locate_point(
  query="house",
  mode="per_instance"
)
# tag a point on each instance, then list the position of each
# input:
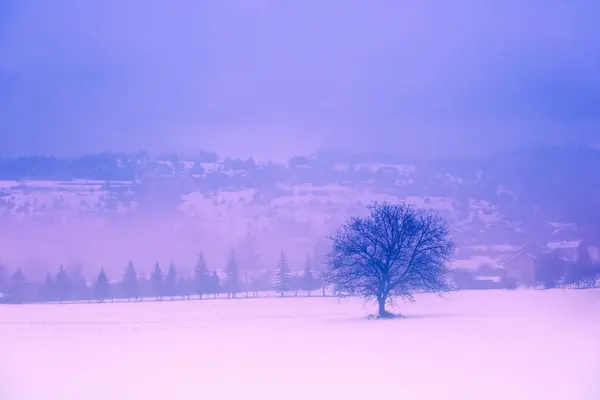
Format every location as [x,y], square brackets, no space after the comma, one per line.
[520,267]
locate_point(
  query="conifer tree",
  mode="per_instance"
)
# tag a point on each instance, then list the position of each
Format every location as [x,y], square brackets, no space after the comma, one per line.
[16,291]
[79,286]
[3,278]
[308,280]
[144,286]
[63,285]
[215,284]
[232,282]
[101,286]
[321,278]
[171,281]
[183,287]
[129,284]
[201,276]
[281,280]
[47,291]
[157,281]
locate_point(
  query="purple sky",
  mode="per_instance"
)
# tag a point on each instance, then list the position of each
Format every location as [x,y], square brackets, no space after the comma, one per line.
[281,77]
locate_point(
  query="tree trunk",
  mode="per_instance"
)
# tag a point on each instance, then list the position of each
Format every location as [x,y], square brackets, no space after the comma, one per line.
[382,311]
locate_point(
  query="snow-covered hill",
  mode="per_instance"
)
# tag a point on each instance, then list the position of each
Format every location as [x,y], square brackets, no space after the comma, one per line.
[107,209]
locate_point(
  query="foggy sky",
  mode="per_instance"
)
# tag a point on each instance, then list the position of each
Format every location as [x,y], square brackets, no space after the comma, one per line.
[280,77]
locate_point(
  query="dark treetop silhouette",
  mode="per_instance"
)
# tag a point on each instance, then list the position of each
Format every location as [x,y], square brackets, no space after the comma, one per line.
[232,280]
[281,280]
[393,252]
[129,282]
[202,278]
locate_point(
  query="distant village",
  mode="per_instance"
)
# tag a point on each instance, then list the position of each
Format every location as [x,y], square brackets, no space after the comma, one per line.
[550,265]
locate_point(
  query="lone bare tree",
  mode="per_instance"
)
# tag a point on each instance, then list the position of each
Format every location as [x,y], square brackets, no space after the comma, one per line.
[394,251]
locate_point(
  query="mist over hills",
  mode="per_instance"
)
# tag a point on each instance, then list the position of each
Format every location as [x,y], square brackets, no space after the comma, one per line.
[106,209]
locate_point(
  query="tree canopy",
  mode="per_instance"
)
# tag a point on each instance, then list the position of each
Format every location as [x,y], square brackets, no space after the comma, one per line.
[391,253]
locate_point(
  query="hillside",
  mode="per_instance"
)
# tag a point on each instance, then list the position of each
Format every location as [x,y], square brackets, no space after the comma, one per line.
[106,209]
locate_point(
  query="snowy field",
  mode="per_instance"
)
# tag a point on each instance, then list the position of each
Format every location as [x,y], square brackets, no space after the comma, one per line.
[540,345]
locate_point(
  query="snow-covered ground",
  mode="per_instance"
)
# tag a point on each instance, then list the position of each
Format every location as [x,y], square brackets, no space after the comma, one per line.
[469,345]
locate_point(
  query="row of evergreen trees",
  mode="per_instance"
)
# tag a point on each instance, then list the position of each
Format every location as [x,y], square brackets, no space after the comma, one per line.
[203,282]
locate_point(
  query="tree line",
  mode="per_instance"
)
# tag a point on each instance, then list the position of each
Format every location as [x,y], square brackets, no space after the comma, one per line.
[392,253]
[171,283]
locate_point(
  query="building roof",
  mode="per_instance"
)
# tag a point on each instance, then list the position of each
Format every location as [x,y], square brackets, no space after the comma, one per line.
[527,250]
